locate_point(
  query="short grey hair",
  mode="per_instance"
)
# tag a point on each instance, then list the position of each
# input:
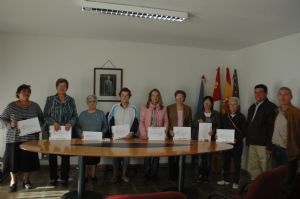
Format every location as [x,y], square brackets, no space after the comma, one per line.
[234,100]
[91,96]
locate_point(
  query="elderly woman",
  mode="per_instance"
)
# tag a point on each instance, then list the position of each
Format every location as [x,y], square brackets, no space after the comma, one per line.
[180,115]
[234,119]
[92,120]
[123,113]
[60,110]
[15,159]
[207,114]
[153,114]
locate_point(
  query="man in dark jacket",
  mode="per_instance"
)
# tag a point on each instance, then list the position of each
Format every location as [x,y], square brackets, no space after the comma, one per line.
[261,117]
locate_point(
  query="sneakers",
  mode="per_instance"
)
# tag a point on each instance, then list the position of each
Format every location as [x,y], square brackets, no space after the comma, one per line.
[235,186]
[223,182]
[27,185]
[125,179]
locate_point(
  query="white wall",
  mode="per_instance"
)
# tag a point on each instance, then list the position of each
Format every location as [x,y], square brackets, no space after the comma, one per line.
[39,61]
[275,63]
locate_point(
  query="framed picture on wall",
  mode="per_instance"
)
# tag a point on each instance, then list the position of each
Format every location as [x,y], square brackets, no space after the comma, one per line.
[107,84]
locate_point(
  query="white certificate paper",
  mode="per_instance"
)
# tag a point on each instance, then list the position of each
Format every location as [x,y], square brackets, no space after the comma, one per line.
[225,135]
[61,134]
[29,126]
[120,131]
[92,136]
[204,128]
[182,133]
[156,133]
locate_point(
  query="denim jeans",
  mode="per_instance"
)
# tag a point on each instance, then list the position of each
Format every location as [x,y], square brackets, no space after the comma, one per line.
[279,157]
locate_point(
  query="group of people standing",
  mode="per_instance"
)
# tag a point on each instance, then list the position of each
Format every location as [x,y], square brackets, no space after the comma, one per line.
[269,131]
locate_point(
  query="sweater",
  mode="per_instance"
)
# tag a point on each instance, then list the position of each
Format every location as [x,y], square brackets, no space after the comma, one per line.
[145,119]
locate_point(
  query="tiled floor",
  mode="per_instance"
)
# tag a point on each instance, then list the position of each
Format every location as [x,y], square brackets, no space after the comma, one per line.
[104,186]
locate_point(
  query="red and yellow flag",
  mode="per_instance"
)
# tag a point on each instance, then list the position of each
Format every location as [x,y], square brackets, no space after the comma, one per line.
[217,87]
[228,88]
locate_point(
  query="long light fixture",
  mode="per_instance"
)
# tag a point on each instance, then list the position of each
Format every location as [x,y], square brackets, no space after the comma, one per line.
[133,11]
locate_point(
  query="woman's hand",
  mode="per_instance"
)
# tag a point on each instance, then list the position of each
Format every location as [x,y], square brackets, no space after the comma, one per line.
[13,123]
[128,136]
[210,133]
[68,126]
[56,126]
[172,133]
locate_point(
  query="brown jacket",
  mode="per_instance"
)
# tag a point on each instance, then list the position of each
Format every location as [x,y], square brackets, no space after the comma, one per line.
[172,114]
[293,132]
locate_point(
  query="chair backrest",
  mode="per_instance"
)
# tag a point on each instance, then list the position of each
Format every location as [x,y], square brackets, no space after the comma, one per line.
[158,195]
[268,185]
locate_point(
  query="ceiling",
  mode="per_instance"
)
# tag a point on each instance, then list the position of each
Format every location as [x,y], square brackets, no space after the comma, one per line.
[214,24]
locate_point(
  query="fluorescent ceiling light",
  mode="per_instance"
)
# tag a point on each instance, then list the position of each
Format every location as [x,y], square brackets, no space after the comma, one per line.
[133,11]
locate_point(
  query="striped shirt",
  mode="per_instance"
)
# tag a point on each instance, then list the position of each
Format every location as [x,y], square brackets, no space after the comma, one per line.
[20,113]
[60,112]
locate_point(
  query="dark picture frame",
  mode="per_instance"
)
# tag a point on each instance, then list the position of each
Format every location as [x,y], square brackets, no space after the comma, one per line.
[108,83]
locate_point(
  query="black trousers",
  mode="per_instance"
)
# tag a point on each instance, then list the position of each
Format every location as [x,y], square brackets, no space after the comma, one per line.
[204,165]
[290,181]
[151,166]
[173,167]
[279,157]
[64,168]
[227,157]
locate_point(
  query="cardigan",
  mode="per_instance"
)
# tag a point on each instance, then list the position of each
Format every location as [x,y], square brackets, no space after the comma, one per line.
[173,117]
[145,119]
[12,134]
[292,115]
[239,124]
[215,120]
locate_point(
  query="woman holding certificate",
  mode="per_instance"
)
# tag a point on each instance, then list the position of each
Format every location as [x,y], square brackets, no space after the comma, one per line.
[206,115]
[92,120]
[180,115]
[60,110]
[153,114]
[123,114]
[15,159]
[234,119]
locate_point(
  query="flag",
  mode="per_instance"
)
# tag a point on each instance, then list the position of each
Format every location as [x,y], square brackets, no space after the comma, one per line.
[228,88]
[201,94]
[227,93]
[236,92]
[217,87]
[217,91]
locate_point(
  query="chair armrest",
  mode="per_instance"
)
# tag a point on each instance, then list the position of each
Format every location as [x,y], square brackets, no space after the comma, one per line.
[219,195]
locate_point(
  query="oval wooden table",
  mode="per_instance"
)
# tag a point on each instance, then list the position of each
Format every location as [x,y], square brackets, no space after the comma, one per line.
[134,148]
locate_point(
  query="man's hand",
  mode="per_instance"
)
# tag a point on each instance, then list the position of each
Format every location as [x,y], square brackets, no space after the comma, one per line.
[269,152]
[210,133]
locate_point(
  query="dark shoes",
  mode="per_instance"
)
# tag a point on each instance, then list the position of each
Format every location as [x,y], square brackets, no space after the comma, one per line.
[203,179]
[53,182]
[13,187]
[64,183]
